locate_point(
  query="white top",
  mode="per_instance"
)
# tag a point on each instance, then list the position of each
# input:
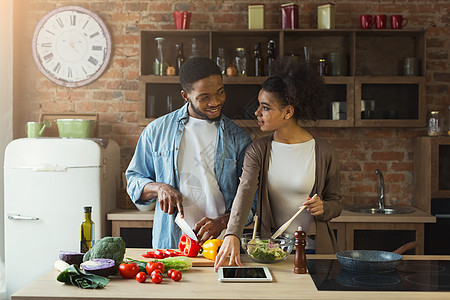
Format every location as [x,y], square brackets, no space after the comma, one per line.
[198,184]
[291,177]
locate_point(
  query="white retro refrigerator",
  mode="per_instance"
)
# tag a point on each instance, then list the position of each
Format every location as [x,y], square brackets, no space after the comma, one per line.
[47,182]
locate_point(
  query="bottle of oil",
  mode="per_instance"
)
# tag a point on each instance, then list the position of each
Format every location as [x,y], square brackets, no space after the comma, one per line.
[258,61]
[180,57]
[87,231]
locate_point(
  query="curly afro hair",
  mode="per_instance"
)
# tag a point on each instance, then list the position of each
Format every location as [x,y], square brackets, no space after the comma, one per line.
[195,69]
[298,85]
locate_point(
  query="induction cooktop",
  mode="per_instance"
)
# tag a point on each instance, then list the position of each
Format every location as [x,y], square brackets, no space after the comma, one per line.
[410,275]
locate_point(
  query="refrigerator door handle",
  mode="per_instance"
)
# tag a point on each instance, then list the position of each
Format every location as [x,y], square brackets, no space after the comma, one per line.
[19,217]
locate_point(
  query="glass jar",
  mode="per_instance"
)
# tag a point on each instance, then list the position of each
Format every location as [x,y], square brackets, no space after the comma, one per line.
[241,61]
[434,123]
[322,67]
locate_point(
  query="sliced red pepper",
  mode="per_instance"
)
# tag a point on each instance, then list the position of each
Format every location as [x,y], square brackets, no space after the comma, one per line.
[188,246]
[159,254]
[177,253]
[149,254]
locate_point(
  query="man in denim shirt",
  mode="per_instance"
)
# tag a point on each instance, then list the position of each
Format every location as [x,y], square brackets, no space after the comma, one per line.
[190,160]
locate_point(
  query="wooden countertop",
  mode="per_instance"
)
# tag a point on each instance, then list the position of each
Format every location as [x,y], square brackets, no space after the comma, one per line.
[201,283]
[418,216]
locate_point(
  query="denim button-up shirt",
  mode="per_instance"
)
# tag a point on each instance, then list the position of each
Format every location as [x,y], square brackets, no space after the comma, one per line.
[155,160]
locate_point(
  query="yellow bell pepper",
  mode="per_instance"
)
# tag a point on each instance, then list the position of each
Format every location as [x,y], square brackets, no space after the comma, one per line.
[211,248]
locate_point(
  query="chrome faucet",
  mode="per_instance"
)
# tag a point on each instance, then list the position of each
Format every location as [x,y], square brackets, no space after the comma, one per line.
[381,200]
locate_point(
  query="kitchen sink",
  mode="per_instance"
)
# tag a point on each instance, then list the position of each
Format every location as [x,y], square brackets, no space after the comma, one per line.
[385,211]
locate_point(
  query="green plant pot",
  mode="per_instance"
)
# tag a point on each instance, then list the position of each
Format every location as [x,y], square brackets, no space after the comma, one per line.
[77,128]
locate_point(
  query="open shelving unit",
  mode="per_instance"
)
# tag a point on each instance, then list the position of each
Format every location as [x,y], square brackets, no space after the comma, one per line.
[374,59]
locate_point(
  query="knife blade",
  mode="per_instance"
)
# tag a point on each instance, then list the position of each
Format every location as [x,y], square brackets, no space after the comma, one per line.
[185,227]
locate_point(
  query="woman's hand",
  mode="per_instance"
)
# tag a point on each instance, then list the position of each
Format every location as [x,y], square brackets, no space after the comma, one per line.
[314,205]
[231,245]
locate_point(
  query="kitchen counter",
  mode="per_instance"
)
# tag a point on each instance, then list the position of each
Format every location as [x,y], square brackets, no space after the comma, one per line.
[201,283]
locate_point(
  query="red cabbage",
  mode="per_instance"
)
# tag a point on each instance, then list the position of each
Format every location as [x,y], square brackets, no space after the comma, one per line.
[72,258]
[99,266]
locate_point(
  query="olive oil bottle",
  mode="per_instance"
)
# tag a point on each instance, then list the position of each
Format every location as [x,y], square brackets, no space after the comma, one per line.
[87,231]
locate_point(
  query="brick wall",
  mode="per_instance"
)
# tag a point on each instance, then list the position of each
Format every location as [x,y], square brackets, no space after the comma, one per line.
[114,96]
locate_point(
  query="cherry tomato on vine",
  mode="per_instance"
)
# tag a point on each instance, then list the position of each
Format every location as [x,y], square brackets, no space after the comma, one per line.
[141,277]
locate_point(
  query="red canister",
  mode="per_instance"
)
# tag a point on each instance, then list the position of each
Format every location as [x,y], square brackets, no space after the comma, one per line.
[289,16]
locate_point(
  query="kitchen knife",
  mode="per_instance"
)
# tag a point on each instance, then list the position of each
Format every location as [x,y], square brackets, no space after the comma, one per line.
[185,227]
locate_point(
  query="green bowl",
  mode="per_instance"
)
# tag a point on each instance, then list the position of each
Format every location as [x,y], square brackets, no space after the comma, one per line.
[76,128]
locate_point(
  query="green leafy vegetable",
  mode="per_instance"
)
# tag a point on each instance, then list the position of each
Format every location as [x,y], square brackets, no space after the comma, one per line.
[77,277]
[108,247]
[267,251]
[179,263]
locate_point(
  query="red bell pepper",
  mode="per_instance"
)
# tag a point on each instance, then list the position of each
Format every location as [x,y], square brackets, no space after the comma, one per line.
[188,246]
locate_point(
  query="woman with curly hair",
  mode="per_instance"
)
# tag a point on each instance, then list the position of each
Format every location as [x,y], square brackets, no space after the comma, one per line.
[288,168]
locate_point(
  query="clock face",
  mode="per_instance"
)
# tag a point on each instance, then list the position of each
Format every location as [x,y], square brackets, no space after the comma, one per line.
[71,46]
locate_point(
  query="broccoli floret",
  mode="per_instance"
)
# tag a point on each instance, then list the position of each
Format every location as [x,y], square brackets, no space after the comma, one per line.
[107,247]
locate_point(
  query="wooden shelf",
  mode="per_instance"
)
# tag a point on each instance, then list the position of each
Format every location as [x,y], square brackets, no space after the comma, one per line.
[374,60]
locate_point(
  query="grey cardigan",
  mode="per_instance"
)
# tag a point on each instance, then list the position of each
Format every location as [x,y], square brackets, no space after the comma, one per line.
[254,178]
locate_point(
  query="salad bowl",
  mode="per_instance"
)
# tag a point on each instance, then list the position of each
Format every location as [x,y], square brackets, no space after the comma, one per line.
[267,250]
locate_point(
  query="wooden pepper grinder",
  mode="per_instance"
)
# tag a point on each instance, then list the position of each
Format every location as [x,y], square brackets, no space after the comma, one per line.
[300,255]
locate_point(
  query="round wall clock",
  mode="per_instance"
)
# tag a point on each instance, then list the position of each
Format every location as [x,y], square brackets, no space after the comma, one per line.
[71,46]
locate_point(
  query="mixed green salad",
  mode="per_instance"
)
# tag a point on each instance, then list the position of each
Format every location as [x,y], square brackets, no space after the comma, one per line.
[266,251]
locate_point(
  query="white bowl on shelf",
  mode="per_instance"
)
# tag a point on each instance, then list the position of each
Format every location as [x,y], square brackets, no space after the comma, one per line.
[146,207]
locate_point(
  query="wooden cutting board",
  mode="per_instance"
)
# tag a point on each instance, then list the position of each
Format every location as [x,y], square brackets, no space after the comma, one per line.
[136,253]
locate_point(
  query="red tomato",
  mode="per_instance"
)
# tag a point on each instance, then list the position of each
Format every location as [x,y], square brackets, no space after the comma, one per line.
[157,278]
[169,272]
[151,266]
[156,271]
[176,275]
[141,277]
[128,270]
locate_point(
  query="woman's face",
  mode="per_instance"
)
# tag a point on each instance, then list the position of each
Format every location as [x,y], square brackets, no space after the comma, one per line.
[270,114]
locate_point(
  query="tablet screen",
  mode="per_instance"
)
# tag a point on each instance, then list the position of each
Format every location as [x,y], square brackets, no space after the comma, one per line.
[244,274]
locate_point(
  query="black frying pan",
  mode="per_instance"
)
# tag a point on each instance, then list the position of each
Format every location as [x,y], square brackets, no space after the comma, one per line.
[372,261]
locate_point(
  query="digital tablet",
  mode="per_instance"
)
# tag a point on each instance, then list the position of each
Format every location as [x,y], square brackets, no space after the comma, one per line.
[244,274]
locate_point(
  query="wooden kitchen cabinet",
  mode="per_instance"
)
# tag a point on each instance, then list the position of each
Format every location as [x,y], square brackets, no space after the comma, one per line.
[375,72]
[431,170]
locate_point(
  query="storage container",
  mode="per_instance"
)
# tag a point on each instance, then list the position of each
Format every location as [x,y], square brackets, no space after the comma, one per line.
[289,16]
[256,16]
[325,16]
